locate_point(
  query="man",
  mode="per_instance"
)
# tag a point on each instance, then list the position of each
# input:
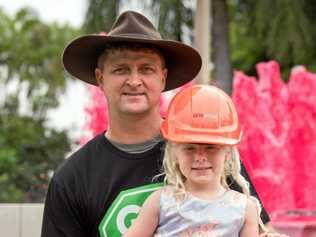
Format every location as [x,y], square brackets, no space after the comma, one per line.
[99,190]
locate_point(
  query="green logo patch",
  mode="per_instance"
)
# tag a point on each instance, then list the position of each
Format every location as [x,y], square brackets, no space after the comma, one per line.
[124,210]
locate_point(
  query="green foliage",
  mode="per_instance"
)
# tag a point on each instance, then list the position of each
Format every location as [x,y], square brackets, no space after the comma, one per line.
[245,50]
[31,81]
[29,154]
[174,18]
[260,30]
[282,30]
[30,54]
[100,15]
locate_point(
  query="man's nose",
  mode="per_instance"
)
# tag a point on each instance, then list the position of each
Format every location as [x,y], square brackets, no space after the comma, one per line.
[134,79]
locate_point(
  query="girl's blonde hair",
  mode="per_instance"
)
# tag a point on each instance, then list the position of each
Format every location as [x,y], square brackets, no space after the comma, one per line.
[232,167]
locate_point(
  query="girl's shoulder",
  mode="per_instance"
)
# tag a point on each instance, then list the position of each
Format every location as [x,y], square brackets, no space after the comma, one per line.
[167,189]
[153,199]
[156,194]
[164,193]
[168,194]
[235,199]
[236,195]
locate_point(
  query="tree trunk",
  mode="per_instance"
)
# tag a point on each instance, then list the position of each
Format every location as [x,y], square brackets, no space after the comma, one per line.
[220,45]
[202,39]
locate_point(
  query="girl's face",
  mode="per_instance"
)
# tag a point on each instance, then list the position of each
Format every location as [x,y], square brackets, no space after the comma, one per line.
[201,164]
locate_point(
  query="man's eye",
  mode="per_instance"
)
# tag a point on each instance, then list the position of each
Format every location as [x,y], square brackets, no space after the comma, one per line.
[119,70]
[147,69]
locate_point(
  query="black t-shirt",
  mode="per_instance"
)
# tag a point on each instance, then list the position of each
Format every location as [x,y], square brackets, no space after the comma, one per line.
[99,190]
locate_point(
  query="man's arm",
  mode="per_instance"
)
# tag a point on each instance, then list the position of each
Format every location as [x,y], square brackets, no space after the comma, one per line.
[61,216]
[271,232]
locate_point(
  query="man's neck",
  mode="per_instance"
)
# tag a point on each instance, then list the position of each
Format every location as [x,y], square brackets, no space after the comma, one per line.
[133,129]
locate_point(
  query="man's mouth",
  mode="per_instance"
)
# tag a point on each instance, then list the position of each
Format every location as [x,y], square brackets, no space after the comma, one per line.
[133,94]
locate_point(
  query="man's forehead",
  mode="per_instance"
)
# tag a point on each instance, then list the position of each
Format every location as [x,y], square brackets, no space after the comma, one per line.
[131,55]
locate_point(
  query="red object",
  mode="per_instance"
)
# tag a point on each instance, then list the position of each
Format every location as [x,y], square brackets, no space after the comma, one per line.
[279,143]
[96,114]
[202,114]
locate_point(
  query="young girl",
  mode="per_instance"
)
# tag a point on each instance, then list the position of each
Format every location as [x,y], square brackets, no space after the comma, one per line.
[202,131]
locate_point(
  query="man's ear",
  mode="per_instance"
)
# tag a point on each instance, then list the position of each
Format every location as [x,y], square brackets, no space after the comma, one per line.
[99,76]
[164,78]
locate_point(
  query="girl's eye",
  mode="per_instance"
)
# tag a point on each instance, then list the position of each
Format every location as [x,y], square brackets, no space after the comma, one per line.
[212,148]
[189,148]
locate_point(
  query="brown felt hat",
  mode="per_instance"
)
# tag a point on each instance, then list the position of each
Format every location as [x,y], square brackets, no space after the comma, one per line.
[81,55]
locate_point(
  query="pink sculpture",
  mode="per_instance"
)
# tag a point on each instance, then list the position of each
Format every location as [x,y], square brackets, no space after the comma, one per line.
[96,111]
[279,142]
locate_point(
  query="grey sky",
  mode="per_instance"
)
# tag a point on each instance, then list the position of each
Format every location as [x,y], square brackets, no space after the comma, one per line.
[71,11]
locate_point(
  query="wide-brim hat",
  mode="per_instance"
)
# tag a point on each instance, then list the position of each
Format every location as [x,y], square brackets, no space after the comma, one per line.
[182,61]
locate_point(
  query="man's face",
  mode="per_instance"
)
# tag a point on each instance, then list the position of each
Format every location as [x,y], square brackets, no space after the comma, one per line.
[132,81]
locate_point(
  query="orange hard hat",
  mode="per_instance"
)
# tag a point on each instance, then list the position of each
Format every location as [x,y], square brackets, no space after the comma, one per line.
[202,114]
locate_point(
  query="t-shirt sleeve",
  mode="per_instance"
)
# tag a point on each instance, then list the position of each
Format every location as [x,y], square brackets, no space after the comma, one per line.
[62,216]
[233,185]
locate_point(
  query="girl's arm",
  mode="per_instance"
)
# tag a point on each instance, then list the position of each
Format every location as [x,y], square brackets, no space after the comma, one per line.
[251,225]
[148,218]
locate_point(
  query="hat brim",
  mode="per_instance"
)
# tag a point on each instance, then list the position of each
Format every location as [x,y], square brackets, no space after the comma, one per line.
[80,58]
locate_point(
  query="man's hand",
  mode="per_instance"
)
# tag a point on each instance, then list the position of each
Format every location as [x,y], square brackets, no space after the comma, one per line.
[272,234]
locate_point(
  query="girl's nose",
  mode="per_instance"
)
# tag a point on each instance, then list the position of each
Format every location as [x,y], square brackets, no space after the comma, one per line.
[201,155]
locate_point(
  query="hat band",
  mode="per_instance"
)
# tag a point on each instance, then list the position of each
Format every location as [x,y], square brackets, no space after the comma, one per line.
[137,36]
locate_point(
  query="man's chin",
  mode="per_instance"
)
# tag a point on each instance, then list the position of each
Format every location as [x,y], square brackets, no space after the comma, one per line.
[135,110]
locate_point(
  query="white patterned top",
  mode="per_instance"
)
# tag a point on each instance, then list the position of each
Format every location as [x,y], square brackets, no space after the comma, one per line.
[194,217]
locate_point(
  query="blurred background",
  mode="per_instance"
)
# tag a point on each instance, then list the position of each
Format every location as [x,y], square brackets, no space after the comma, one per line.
[263,52]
